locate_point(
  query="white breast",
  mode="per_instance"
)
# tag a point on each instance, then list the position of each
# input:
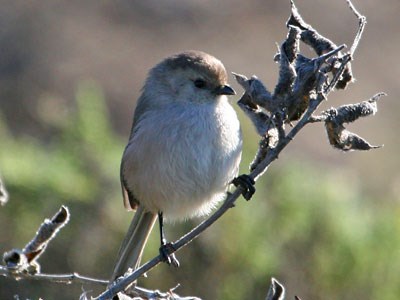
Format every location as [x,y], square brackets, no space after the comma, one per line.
[182,164]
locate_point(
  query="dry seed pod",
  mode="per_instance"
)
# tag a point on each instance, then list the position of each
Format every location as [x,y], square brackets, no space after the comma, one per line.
[320,44]
[255,93]
[341,138]
[287,63]
[255,114]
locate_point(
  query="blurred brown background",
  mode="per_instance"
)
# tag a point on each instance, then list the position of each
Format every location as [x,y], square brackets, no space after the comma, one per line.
[56,54]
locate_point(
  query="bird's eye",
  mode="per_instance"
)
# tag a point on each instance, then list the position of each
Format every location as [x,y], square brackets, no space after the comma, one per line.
[199,83]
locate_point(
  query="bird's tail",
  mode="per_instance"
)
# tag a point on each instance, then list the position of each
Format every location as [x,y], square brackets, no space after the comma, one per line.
[131,250]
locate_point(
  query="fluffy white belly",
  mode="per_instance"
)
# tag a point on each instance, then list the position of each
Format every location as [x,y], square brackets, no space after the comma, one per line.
[182,165]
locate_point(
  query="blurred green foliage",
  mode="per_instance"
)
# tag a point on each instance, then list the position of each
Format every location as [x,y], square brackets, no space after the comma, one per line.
[313,229]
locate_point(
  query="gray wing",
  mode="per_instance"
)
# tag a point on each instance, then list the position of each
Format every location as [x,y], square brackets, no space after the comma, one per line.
[130,202]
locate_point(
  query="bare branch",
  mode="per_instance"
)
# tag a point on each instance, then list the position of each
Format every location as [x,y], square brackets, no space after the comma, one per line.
[141,293]
[362,21]
[58,278]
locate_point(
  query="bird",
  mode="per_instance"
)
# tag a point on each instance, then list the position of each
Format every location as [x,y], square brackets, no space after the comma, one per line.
[183,152]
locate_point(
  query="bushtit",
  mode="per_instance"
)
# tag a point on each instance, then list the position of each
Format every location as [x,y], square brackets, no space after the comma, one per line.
[183,151]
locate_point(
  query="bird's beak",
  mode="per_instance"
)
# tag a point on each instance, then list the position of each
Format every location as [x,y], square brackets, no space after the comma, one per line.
[225,90]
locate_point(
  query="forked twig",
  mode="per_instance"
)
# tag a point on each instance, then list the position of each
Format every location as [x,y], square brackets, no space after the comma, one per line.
[362,21]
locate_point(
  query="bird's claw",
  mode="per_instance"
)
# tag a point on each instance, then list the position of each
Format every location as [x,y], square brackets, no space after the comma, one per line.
[247,184]
[167,255]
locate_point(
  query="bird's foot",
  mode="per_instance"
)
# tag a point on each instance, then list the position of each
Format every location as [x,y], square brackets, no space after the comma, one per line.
[247,184]
[166,250]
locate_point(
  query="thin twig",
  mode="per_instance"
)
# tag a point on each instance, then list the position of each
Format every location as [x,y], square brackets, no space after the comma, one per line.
[362,21]
[59,278]
[274,153]
[150,294]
